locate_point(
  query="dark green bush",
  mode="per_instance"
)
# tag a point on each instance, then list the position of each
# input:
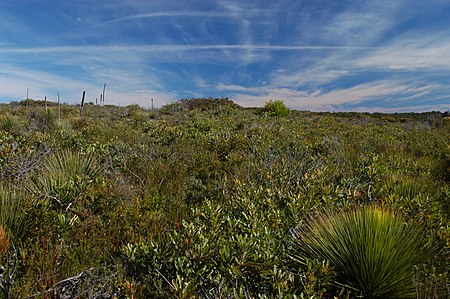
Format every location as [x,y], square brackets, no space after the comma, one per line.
[205,104]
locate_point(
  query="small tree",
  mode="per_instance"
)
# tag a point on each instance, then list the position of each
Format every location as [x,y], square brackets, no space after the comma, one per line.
[276,108]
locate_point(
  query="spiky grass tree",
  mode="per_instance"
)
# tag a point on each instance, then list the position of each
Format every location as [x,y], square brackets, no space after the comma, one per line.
[10,123]
[13,214]
[66,176]
[373,250]
[13,228]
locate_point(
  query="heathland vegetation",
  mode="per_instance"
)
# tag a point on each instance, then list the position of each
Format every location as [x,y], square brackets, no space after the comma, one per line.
[205,199]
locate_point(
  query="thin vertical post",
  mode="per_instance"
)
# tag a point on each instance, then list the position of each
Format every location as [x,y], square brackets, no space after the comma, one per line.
[104,87]
[59,109]
[82,102]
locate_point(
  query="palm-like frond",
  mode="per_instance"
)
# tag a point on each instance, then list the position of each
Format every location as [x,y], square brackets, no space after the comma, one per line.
[371,249]
[67,175]
[13,216]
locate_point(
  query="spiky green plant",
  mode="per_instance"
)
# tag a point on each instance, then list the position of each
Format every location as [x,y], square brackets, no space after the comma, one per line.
[10,123]
[372,250]
[13,216]
[66,176]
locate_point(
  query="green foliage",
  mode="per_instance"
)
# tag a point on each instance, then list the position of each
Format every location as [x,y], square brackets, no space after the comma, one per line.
[42,120]
[222,251]
[276,108]
[66,178]
[14,218]
[371,249]
[200,104]
[205,104]
[17,157]
[11,124]
[198,199]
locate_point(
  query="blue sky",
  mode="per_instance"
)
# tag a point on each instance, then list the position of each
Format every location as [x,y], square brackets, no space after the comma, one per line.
[319,55]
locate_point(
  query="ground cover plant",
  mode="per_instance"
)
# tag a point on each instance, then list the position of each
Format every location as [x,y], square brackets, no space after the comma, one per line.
[206,199]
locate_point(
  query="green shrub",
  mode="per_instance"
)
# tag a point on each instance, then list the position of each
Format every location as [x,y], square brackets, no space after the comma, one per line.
[226,250]
[205,193]
[13,214]
[206,104]
[40,119]
[371,249]
[11,124]
[67,176]
[276,108]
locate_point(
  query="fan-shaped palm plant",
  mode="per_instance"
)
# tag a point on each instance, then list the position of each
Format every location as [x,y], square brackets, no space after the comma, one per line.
[13,214]
[66,176]
[372,250]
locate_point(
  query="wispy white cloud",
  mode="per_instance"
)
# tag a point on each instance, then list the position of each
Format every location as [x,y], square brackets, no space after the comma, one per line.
[14,83]
[313,55]
[239,89]
[174,48]
[362,23]
[40,84]
[320,100]
[410,54]
[401,109]
[160,14]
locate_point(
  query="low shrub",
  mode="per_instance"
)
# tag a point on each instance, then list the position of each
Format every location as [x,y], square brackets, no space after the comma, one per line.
[13,213]
[66,177]
[371,249]
[276,108]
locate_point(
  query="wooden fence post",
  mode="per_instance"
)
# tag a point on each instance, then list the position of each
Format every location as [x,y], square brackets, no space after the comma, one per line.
[82,103]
